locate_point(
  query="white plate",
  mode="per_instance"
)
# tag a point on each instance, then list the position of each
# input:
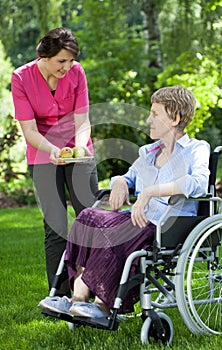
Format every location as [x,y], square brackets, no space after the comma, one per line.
[78,160]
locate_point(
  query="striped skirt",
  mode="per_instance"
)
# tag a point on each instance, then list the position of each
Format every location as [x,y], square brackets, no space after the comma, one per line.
[100,241]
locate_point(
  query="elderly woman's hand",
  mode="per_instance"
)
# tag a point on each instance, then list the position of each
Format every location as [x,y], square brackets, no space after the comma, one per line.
[119,194]
[138,216]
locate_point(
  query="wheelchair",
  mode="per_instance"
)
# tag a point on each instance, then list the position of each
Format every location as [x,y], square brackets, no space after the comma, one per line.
[183,270]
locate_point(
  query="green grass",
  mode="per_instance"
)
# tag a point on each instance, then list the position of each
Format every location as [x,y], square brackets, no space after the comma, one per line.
[23,285]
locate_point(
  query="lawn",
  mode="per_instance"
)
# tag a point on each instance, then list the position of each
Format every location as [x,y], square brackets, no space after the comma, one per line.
[23,285]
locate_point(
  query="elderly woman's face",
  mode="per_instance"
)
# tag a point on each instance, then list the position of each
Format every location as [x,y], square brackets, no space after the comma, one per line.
[161,126]
[58,65]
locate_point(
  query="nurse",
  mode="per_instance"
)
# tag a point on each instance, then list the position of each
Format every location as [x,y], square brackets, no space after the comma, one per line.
[51,104]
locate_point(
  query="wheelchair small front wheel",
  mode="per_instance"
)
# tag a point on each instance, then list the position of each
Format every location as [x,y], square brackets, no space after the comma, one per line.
[71,326]
[150,334]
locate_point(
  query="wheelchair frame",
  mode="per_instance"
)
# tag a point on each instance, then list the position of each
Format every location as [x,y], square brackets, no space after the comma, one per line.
[183,271]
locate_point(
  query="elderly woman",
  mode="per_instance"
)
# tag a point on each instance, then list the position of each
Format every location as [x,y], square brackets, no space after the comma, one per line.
[101,240]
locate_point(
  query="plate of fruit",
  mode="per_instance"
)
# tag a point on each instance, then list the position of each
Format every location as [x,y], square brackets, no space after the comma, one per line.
[75,155]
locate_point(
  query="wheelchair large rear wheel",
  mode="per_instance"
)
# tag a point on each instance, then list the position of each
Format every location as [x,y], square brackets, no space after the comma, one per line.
[149,333]
[205,297]
[198,280]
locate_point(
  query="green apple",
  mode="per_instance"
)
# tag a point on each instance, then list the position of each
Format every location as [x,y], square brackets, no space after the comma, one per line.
[78,152]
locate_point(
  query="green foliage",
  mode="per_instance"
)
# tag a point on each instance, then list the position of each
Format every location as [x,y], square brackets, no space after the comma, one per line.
[201,75]
[7,141]
[18,29]
[110,57]
[117,151]
[19,190]
[48,14]
[193,26]
[5,71]
[122,50]
[5,95]
[9,134]
[23,23]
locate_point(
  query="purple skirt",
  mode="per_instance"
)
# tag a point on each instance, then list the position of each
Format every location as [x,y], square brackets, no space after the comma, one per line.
[100,241]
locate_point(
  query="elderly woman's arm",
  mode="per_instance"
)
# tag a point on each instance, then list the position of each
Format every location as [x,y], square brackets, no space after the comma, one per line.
[158,190]
[190,185]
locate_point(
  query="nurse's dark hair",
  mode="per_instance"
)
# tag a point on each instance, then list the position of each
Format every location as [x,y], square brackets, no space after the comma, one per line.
[56,40]
[176,100]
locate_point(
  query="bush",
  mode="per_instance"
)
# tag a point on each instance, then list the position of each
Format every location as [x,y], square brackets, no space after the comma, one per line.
[18,192]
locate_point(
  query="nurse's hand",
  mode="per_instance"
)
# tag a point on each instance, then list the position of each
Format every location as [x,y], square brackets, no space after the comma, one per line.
[55,156]
[88,153]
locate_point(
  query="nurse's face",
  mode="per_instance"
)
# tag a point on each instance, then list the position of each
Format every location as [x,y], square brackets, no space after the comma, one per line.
[60,64]
[161,126]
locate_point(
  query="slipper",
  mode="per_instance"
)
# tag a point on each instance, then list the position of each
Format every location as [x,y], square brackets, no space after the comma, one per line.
[87,309]
[56,304]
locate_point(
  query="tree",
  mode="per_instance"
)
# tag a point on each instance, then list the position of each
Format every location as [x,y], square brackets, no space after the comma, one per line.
[202,76]
[8,129]
[189,26]
[110,59]
[23,23]
[191,51]
[6,69]
[109,55]
[150,11]
[48,14]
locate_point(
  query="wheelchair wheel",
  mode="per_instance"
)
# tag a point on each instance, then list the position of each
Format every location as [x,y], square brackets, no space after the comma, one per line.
[149,332]
[205,298]
[198,280]
[71,326]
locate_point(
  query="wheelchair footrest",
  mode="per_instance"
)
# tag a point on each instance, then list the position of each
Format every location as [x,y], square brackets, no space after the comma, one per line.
[107,323]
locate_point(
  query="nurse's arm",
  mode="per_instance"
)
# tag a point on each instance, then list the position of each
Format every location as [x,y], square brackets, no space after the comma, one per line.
[82,131]
[38,141]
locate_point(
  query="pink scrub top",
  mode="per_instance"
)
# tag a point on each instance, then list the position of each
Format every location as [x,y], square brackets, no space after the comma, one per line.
[54,115]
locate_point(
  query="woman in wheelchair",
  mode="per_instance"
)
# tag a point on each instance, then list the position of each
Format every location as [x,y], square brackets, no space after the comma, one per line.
[100,240]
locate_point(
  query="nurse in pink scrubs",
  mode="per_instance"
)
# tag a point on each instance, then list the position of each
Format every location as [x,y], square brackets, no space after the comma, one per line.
[51,104]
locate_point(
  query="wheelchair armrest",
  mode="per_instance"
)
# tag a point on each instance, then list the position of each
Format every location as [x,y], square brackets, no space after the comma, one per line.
[175,199]
[102,193]
[178,197]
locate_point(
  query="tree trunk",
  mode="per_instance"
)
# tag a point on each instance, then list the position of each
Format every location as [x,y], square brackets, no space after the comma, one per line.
[151,33]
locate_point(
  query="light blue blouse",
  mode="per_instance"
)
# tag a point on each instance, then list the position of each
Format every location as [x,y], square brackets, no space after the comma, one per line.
[187,165]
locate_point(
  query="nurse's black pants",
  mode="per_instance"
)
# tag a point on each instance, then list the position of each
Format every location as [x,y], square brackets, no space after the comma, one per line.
[53,185]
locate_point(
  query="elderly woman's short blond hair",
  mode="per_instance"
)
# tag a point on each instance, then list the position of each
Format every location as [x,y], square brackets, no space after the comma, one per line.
[176,100]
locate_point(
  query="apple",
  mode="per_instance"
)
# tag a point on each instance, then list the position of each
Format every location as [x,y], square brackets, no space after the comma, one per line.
[66,152]
[78,152]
